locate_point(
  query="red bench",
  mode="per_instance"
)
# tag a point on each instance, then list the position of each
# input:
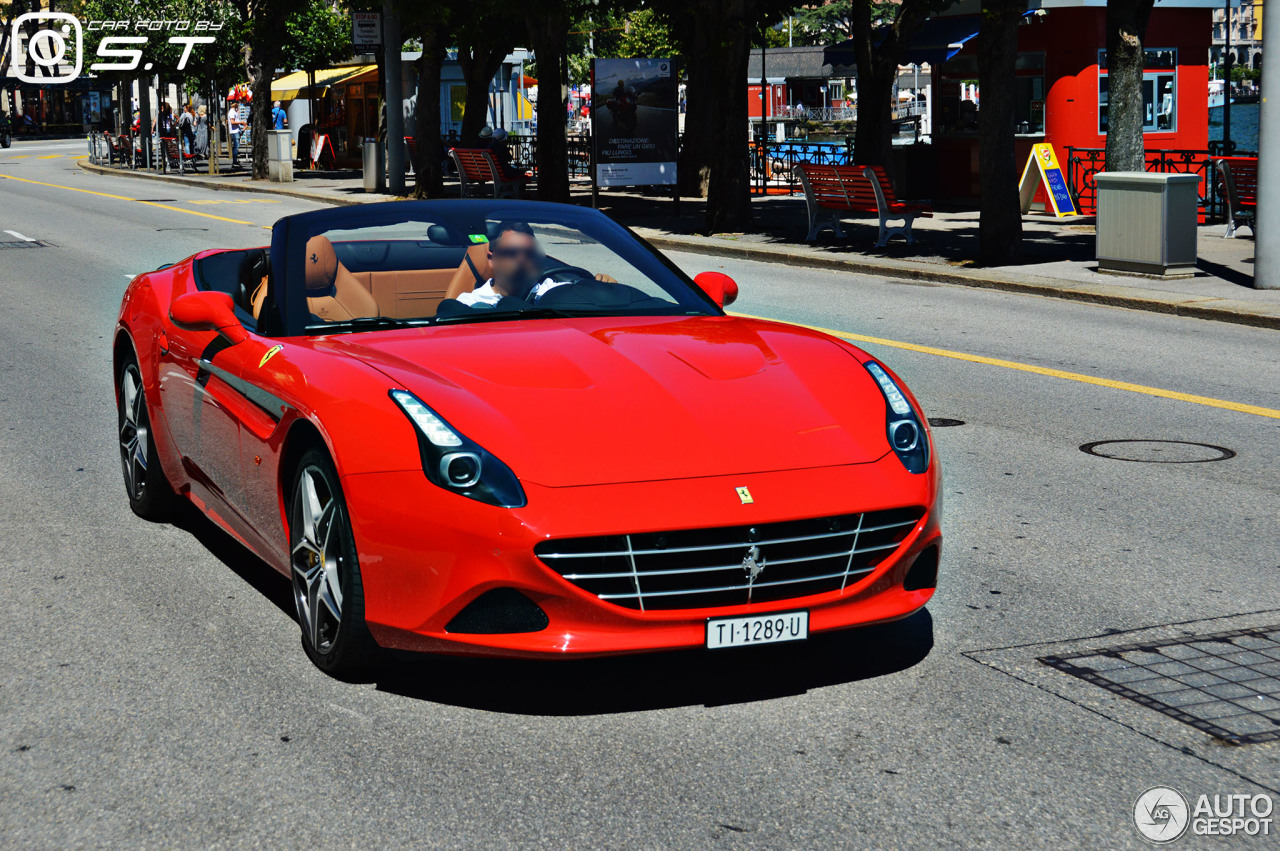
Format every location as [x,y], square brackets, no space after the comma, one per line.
[476,168]
[175,159]
[1239,182]
[832,191]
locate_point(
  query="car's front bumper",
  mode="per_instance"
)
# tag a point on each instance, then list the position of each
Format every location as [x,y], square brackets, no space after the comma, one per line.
[426,554]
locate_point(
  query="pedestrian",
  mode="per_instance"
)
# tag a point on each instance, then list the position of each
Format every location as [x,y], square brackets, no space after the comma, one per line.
[202,132]
[279,118]
[164,126]
[187,129]
[235,126]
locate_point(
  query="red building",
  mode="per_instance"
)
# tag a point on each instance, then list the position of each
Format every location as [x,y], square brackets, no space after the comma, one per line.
[1062,88]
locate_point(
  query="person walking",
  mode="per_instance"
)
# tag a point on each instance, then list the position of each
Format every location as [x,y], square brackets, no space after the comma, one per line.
[279,118]
[187,129]
[235,126]
[202,132]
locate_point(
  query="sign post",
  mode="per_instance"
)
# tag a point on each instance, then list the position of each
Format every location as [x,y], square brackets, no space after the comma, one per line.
[1042,169]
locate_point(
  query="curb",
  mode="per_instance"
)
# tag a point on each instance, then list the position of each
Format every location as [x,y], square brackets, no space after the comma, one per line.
[1110,295]
[219,185]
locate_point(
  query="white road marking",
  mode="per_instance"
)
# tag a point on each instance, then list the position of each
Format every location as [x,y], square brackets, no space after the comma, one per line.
[20,236]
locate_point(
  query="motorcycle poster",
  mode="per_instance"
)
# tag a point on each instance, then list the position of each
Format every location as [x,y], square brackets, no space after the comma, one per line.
[634,119]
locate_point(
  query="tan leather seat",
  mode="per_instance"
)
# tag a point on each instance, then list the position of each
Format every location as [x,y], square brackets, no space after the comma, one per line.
[471,274]
[333,293]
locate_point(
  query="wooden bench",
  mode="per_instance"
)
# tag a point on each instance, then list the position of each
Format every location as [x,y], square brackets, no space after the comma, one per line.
[1239,182]
[832,191]
[477,169]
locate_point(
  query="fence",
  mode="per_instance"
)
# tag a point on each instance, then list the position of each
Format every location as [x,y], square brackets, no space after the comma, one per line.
[1084,163]
[772,162]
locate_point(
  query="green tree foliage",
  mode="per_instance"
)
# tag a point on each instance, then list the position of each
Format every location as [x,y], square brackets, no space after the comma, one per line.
[317,35]
[646,34]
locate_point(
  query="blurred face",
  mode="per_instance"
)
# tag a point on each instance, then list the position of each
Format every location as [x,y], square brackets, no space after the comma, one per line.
[516,259]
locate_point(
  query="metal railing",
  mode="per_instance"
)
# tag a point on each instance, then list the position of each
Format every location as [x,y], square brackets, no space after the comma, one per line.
[772,162]
[1084,163]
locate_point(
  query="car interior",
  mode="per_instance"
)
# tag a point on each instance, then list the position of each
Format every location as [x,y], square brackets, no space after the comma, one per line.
[396,277]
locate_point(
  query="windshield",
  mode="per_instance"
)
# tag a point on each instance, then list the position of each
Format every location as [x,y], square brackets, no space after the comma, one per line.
[521,262]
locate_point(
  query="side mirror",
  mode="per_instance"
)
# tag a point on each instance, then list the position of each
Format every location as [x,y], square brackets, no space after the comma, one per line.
[722,289]
[208,311]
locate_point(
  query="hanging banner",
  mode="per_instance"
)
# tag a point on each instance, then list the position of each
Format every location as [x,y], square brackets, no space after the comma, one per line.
[634,121]
[1042,169]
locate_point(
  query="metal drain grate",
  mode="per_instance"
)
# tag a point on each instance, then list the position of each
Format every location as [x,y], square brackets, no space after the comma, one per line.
[1226,684]
[30,244]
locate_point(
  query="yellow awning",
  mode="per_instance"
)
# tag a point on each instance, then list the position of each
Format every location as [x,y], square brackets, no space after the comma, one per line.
[293,86]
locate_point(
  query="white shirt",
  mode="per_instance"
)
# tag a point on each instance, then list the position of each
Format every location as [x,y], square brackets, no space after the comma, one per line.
[486,294]
[233,120]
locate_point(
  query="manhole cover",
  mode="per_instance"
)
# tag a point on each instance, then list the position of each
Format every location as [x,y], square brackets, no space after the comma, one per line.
[1158,451]
[1226,684]
[943,422]
[35,243]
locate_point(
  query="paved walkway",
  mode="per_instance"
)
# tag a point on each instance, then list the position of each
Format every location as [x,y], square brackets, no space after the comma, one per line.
[1058,254]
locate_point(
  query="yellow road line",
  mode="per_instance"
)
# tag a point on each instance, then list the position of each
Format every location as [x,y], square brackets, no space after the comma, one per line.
[50,156]
[123,198]
[19,156]
[1044,370]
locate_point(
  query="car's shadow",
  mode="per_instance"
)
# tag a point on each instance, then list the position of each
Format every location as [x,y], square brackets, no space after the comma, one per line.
[661,680]
[608,685]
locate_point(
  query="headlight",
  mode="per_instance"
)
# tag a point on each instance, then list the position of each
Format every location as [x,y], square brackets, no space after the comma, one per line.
[907,436]
[455,463]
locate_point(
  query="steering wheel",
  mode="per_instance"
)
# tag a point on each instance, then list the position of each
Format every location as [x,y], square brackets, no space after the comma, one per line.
[578,271]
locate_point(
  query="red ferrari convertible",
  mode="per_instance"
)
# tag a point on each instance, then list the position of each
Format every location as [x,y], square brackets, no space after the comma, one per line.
[515,429]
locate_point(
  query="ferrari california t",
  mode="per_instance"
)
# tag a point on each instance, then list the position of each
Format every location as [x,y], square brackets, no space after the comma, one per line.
[515,429]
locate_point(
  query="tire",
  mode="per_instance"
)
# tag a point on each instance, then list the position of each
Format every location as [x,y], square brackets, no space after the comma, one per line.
[5,140]
[328,592]
[150,495]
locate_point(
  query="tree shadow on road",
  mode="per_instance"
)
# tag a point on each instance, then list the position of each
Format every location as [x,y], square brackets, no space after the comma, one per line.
[661,680]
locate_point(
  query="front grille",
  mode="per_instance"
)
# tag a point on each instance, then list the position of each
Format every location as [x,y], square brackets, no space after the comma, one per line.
[701,568]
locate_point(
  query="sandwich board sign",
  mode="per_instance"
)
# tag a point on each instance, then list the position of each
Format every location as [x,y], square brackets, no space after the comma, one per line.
[1042,168]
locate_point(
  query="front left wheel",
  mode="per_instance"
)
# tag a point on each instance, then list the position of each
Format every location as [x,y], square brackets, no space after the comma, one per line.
[327,588]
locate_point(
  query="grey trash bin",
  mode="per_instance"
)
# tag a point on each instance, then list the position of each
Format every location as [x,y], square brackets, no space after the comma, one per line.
[1147,223]
[374,175]
[280,156]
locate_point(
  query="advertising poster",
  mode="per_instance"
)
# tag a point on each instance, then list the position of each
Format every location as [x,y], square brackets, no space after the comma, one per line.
[634,121]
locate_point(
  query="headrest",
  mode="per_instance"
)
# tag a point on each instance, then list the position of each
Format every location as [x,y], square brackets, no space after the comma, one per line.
[322,266]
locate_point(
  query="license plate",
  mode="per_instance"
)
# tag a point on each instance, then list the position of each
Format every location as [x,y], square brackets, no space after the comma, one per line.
[757,629]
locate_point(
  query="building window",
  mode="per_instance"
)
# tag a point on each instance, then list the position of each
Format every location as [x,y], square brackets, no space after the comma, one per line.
[1159,91]
[1028,105]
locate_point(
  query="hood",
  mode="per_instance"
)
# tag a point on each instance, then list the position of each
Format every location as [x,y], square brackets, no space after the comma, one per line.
[606,400]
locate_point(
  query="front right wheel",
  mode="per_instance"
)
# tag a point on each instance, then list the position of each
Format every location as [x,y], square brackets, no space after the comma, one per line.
[327,589]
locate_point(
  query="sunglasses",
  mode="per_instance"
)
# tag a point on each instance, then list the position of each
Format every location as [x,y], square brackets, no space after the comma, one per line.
[531,253]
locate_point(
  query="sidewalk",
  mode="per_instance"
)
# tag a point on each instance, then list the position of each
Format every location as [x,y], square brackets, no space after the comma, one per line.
[1058,254]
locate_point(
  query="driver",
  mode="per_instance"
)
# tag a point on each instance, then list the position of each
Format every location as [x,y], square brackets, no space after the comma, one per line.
[516,260]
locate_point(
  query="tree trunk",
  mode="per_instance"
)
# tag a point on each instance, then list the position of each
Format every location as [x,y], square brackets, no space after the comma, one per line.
[729,190]
[877,70]
[428,172]
[547,33]
[479,64]
[261,60]
[1126,29]
[694,167]
[1000,219]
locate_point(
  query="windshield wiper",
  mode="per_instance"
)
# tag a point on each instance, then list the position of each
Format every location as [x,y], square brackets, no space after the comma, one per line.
[361,323]
[492,314]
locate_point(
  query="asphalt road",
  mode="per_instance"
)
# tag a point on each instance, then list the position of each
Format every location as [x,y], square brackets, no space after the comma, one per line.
[153,691]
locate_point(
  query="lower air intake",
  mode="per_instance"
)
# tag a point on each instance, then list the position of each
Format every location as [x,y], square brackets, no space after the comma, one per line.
[502,610]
